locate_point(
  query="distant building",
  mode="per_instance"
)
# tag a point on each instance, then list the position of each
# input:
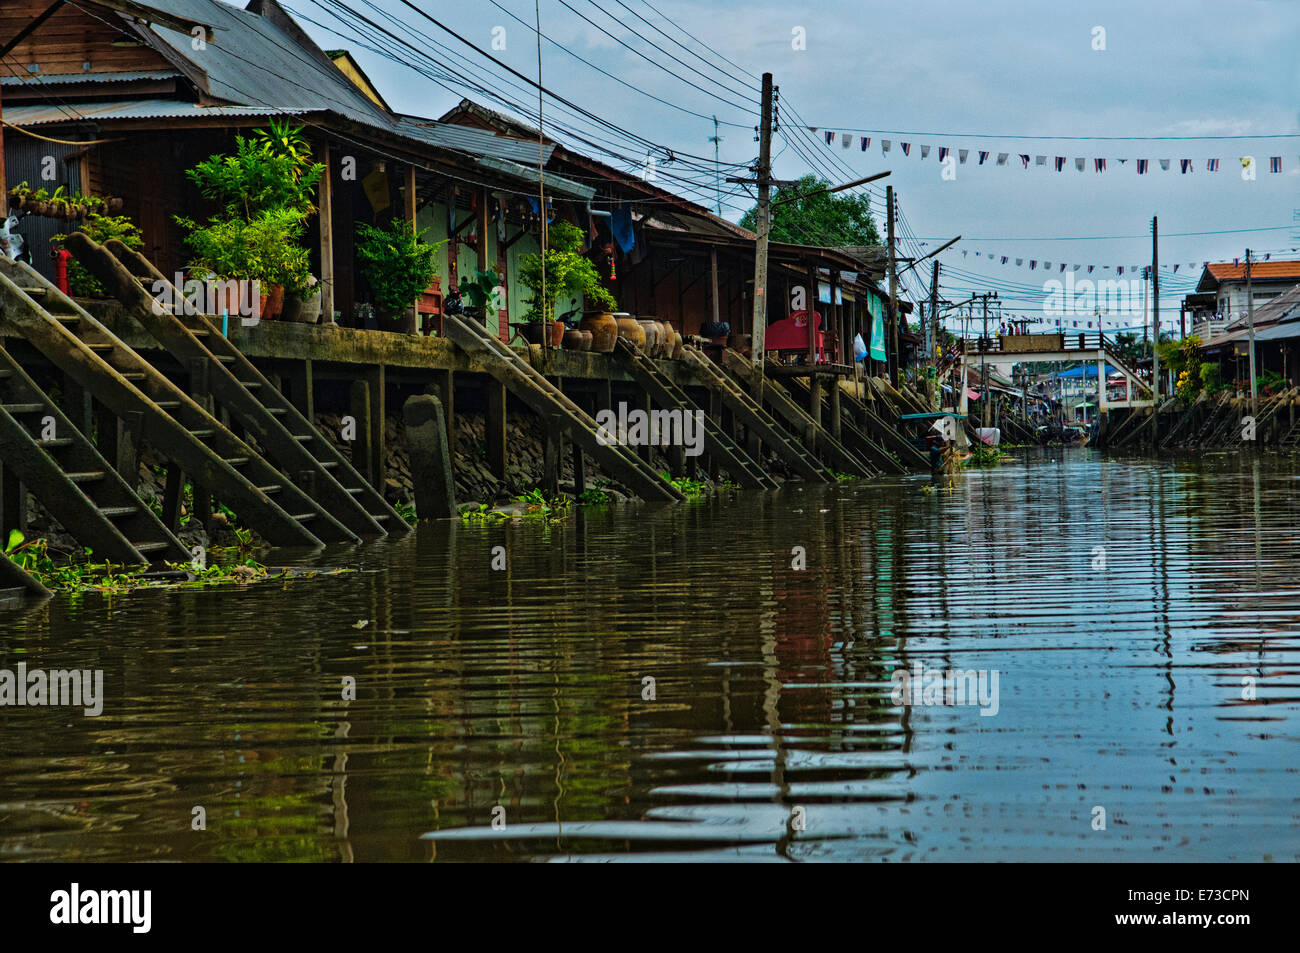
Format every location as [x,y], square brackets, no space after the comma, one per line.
[1220,297]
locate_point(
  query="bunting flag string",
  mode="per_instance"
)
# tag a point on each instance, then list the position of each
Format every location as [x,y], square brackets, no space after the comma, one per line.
[1034,263]
[1099,163]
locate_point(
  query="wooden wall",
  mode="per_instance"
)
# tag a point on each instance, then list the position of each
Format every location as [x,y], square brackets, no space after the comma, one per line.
[68,40]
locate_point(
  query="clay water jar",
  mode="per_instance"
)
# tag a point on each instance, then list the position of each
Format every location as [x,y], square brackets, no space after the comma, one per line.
[652,336]
[573,340]
[603,330]
[629,329]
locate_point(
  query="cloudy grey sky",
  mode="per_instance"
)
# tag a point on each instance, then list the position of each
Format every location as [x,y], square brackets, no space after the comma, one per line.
[923,72]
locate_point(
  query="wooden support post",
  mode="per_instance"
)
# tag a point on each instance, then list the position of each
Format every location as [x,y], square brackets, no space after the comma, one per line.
[362,459]
[579,470]
[325,219]
[378,427]
[302,390]
[714,410]
[128,448]
[814,401]
[408,214]
[645,451]
[550,460]
[173,490]
[495,427]
[426,435]
[447,395]
[79,406]
[835,428]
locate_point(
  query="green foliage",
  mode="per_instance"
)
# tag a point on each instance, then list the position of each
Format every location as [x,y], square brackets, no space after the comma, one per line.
[1211,380]
[479,289]
[1183,358]
[594,497]
[982,455]
[686,486]
[397,263]
[827,218]
[99,228]
[406,510]
[568,272]
[843,477]
[265,248]
[265,193]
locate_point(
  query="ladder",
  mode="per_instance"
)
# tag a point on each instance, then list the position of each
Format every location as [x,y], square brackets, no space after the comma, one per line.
[151,405]
[784,406]
[72,480]
[717,442]
[219,368]
[556,410]
[752,415]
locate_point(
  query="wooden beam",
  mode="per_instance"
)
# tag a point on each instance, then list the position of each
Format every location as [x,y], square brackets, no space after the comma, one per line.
[326,215]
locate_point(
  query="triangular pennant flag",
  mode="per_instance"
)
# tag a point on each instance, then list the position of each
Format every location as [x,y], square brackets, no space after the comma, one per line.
[1024,160]
[1033,263]
[1062,266]
[884,146]
[1099,165]
[864,143]
[1090,267]
[1040,160]
[962,154]
[846,140]
[1142,166]
[1004,259]
[1119,269]
[1019,262]
[943,153]
[1060,163]
[1211,165]
[1164,165]
[1275,164]
[830,137]
[1002,158]
[925,151]
[1080,163]
[906,147]
[1185,166]
[1075,268]
[983,155]
[1175,269]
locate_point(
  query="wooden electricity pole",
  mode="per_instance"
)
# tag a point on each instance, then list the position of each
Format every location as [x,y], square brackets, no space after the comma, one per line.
[764,224]
[892,365]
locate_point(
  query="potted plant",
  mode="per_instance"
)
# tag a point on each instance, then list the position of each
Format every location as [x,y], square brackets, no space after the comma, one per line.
[567,272]
[264,193]
[479,290]
[398,265]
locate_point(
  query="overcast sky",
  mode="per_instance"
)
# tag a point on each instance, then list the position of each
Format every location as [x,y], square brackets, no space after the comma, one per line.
[923,72]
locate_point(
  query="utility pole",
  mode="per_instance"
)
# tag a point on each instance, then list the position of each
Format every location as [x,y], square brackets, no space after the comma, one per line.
[892,365]
[1155,321]
[934,312]
[764,224]
[1250,323]
[717,174]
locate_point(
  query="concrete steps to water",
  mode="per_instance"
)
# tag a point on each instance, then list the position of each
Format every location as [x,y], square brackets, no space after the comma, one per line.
[72,480]
[219,370]
[740,467]
[557,411]
[752,414]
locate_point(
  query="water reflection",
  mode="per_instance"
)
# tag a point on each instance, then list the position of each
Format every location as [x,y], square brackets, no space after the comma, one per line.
[1128,606]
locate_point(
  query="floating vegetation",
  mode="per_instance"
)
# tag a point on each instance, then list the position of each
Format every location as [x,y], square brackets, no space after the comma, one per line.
[686,486]
[982,455]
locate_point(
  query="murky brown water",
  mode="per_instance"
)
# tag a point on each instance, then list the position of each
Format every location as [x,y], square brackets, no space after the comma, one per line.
[771,734]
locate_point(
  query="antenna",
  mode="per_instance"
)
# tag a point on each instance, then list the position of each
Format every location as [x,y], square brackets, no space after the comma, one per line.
[717,181]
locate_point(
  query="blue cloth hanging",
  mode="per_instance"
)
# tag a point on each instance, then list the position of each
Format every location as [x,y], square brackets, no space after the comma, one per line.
[620,224]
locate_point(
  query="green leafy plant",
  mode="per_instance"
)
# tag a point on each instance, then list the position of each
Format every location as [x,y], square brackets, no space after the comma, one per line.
[686,486]
[594,497]
[568,272]
[100,228]
[479,290]
[397,263]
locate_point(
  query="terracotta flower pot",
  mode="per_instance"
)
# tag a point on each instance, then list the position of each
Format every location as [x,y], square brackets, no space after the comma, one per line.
[557,333]
[274,303]
[629,329]
[603,329]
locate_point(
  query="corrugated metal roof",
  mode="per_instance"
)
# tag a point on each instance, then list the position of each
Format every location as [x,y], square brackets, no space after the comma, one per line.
[556,185]
[34,115]
[476,142]
[61,79]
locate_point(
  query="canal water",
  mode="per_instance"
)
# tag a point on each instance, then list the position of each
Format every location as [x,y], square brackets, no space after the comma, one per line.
[719,680]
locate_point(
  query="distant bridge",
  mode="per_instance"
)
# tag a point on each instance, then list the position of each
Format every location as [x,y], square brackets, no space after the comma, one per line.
[1058,347]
